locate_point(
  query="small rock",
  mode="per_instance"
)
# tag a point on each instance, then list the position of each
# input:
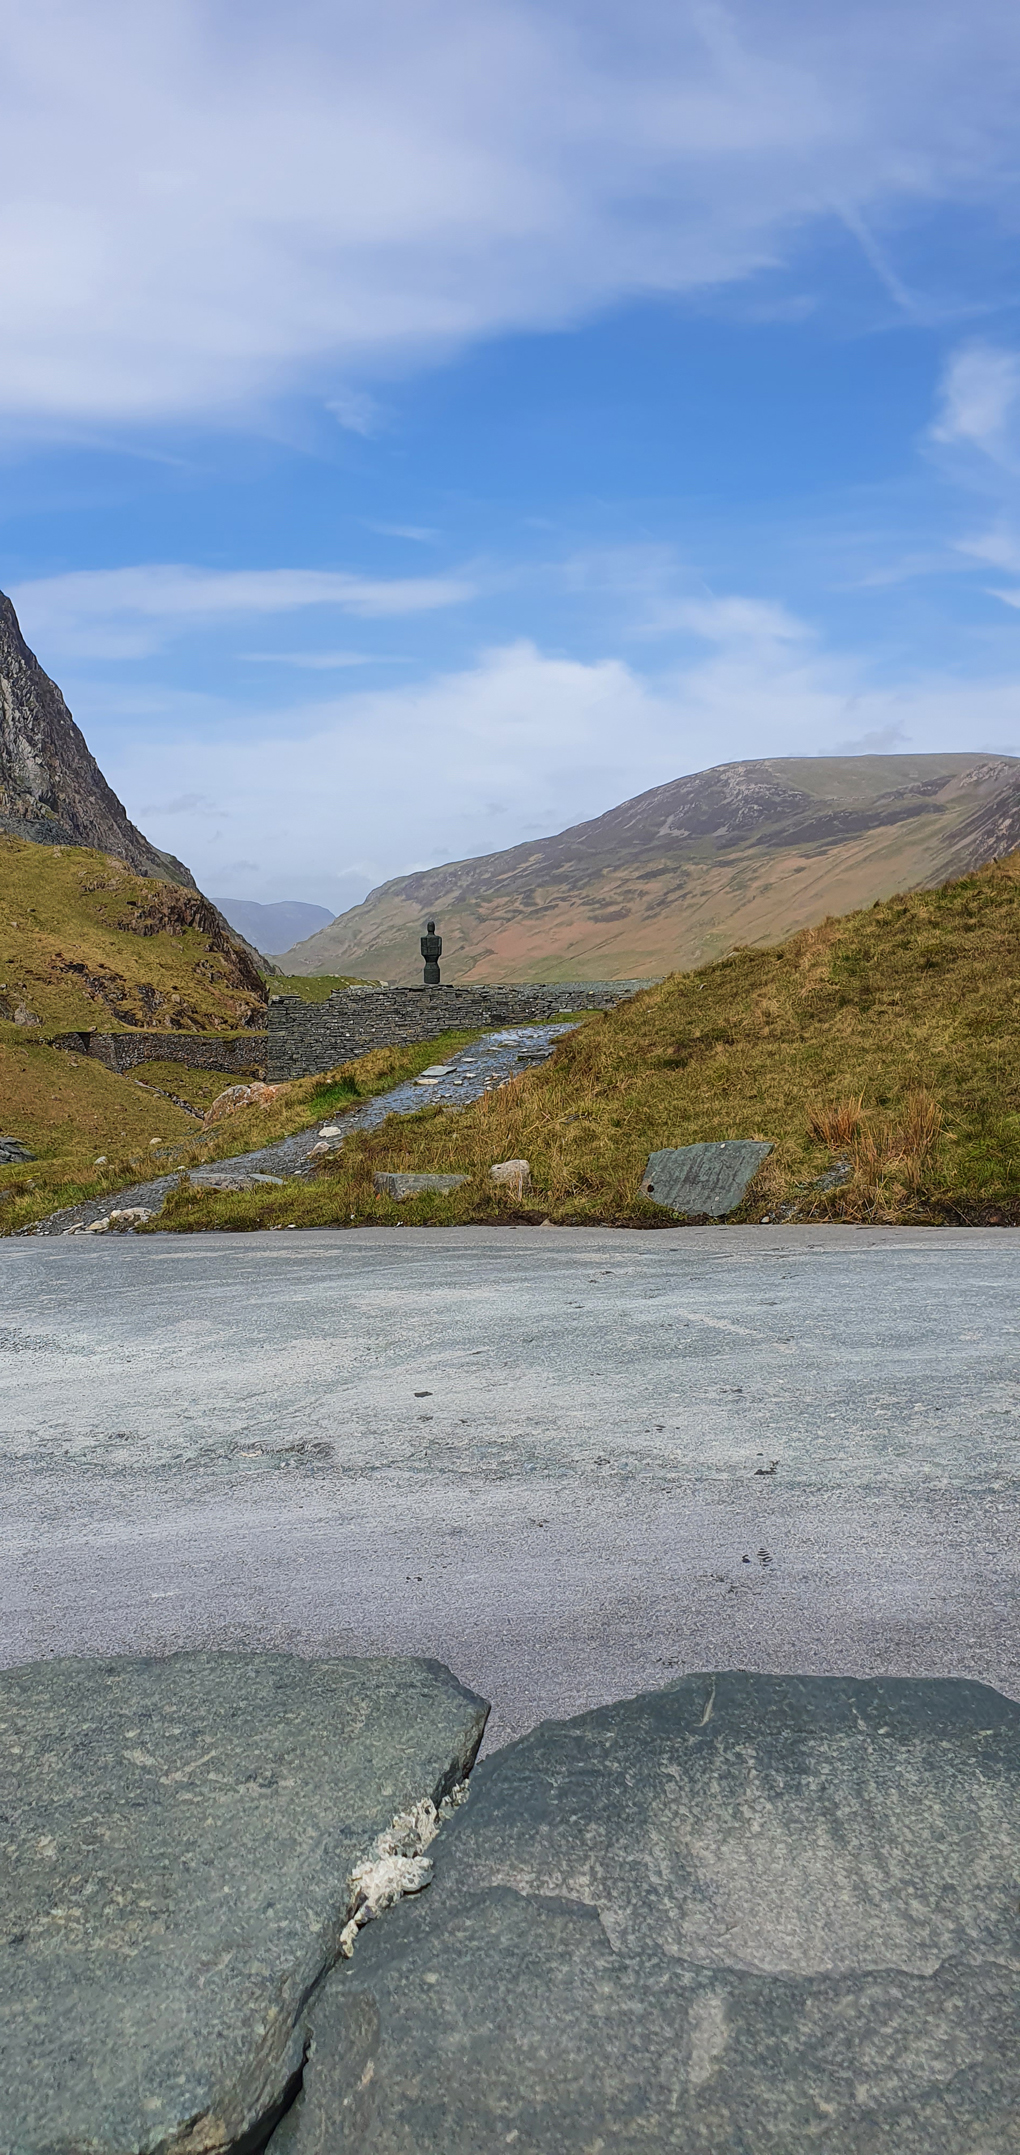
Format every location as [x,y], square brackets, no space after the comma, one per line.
[401,1186]
[23,1016]
[512,1175]
[11,1150]
[238,1096]
[126,1216]
[331,1129]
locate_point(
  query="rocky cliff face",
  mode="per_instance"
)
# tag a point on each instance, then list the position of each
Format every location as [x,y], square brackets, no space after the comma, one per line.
[51,788]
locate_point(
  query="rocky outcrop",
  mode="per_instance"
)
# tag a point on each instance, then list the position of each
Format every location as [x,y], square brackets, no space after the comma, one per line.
[746,1912]
[186,1844]
[51,788]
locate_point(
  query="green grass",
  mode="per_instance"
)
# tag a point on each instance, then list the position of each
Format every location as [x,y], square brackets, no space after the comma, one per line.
[84,943]
[70,1105]
[890,1038]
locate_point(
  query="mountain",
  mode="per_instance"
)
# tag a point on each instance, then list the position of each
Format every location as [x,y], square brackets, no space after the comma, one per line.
[51,789]
[273,927]
[745,853]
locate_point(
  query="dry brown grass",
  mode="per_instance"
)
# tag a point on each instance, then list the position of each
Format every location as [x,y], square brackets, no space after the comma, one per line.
[836,1123]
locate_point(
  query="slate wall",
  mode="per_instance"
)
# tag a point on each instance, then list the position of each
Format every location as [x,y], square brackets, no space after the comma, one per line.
[239,1053]
[307,1037]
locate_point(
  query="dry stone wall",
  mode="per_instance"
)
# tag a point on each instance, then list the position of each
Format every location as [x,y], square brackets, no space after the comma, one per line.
[308,1037]
[239,1053]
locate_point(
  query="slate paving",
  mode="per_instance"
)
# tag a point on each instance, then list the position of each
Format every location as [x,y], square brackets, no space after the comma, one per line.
[764,1915]
[492,1061]
[182,1843]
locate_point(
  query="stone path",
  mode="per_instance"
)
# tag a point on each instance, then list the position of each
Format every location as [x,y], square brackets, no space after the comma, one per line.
[493,1060]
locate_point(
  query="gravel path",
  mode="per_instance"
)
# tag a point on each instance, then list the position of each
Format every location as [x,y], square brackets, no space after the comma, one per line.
[493,1060]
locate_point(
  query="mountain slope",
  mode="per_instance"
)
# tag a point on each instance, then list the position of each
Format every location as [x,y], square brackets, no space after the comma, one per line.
[274,927]
[746,853]
[51,789]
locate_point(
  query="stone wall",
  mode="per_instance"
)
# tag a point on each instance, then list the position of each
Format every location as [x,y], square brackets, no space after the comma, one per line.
[237,1053]
[307,1037]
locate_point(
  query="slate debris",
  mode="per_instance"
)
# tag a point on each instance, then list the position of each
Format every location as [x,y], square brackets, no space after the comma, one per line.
[11,1150]
[764,1914]
[402,1186]
[703,1180]
[179,1837]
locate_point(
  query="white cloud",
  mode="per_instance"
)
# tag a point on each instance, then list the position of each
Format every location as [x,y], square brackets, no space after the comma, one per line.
[519,745]
[980,402]
[125,613]
[202,207]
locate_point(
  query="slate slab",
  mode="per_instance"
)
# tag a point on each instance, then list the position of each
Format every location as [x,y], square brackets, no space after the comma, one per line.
[746,1915]
[401,1186]
[177,1839]
[699,1179]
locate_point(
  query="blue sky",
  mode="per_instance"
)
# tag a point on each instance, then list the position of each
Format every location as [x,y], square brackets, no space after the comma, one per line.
[423,427]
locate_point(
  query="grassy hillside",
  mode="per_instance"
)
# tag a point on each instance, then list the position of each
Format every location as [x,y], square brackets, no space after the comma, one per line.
[743,854]
[84,942]
[888,1040]
[94,1133]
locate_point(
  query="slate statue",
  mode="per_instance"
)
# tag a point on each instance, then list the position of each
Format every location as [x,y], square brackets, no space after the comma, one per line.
[432,951]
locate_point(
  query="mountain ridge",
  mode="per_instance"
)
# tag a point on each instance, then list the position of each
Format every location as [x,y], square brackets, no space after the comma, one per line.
[52,790]
[743,853]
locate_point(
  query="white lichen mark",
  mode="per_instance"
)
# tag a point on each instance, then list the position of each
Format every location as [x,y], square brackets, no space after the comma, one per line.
[398,1864]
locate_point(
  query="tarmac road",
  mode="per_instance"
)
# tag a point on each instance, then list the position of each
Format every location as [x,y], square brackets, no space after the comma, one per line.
[570,1463]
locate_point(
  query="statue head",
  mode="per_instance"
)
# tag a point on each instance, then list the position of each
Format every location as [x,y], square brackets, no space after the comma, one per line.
[430,927]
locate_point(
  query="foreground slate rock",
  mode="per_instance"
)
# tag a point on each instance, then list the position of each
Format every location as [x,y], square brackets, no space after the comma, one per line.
[177,1839]
[746,1915]
[400,1186]
[703,1179]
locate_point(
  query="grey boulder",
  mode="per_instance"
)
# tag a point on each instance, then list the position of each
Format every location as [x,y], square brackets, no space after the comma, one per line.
[12,1149]
[179,1843]
[700,1179]
[746,1915]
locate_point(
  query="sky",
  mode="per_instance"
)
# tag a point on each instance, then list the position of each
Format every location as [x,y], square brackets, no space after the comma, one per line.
[425,426]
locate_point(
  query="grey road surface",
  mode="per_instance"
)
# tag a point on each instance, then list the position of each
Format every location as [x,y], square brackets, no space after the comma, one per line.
[569,1463]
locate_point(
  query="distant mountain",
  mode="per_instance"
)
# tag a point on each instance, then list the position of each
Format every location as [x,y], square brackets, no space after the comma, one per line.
[51,789]
[743,853]
[273,927]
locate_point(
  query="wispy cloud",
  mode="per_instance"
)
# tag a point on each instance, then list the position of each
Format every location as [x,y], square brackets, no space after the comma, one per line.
[980,403]
[319,661]
[126,612]
[196,221]
[528,743]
